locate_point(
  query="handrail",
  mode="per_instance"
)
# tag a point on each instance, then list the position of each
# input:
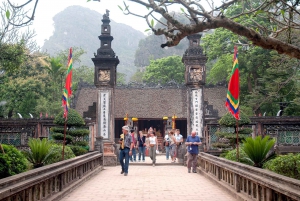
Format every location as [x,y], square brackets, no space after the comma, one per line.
[47,181]
[248,182]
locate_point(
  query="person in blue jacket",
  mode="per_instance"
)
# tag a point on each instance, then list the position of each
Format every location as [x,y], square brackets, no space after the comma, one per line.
[192,142]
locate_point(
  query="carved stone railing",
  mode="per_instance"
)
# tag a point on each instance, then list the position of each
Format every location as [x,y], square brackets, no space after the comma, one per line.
[51,181]
[247,182]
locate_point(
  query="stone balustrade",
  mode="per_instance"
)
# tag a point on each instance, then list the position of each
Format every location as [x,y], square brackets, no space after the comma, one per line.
[246,182]
[51,181]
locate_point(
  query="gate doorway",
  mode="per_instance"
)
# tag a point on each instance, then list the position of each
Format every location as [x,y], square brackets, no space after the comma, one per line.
[158,124]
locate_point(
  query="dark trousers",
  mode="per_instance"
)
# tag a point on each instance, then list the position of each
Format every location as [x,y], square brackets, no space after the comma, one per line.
[124,154]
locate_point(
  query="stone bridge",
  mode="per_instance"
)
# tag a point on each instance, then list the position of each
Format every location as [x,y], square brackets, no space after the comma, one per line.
[85,178]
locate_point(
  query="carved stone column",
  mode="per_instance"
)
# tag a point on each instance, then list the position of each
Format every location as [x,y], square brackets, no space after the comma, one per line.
[106,62]
[195,69]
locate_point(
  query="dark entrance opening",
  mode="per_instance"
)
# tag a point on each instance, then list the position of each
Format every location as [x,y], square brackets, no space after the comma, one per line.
[158,124]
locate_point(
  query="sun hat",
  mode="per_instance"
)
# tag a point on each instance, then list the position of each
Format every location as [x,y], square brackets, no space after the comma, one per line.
[126,128]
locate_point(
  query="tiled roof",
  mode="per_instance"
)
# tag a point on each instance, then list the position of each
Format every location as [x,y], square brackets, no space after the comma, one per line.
[150,102]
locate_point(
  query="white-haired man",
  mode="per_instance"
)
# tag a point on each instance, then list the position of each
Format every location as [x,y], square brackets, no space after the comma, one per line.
[192,141]
[126,146]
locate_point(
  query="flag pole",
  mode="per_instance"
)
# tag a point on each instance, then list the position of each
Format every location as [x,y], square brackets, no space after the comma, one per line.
[64,142]
[66,97]
[237,141]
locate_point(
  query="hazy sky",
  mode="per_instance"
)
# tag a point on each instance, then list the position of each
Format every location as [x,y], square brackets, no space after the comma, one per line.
[46,10]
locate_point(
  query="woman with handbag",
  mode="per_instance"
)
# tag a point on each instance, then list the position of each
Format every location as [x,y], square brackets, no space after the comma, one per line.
[141,144]
[153,147]
[172,146]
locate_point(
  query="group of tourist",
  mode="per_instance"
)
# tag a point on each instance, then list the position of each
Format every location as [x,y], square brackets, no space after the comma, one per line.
[172,142]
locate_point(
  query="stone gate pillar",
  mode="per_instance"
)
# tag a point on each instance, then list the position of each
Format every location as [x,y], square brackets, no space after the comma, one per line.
[194,62]
[105,62]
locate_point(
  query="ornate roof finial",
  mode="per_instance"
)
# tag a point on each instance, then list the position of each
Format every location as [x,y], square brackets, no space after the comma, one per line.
[106,16]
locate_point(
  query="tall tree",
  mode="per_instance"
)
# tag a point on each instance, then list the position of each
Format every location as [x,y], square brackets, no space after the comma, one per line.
[56,73]
[16,42]
[22,90]
[283,16]
[267,80]
[164,70]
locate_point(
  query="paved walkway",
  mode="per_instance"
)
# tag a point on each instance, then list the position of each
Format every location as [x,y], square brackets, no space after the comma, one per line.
[145,182]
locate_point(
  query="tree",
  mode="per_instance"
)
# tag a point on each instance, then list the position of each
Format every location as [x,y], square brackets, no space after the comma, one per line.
[283,15]
[268,81]
[257,149]
[248,21]
[16,42]
[56,73]
[121,78]
[76,134]
[227,139]
[165,70]
[40,151]
[22,90]
[137,77]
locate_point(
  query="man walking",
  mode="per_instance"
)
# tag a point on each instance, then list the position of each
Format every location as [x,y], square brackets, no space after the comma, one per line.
[126,146]
[192,142]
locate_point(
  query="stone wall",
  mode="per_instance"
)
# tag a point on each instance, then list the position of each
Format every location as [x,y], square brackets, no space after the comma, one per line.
[149,102]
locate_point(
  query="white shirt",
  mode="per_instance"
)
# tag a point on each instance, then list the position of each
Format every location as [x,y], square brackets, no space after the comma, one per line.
[152,140]
[178,137]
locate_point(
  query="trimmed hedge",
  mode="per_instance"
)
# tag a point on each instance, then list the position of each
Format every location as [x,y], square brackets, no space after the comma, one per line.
[12,162]
[287,165]
[74,119]
[56,155]
[60,136]
[78,150]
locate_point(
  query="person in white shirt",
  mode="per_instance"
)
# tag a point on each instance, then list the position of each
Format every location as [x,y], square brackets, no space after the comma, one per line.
[179,141]
[153,147]
[167,144]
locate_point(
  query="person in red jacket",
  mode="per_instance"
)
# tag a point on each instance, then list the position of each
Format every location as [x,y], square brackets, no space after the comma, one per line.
[133,156]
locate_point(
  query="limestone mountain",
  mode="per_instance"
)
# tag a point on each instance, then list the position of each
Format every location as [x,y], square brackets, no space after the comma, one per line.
[77,26]
[149,47]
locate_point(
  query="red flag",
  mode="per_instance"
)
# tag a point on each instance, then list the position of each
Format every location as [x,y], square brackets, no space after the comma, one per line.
[233,100]
[68,86]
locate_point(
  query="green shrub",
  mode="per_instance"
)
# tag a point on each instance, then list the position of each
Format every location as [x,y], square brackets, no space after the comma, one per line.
[74,119]
[287,165]
[72,132]
[257,149]
[78,132]
[39,151]
[11,162]
[77,150]
[56,155]
[60,136]
[4,167]
[229,121]
[57,129]
[80,143]
[231,155]
[245,131]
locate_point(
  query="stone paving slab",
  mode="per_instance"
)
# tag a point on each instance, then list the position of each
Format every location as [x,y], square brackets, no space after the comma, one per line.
[145,183]
[160,160]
